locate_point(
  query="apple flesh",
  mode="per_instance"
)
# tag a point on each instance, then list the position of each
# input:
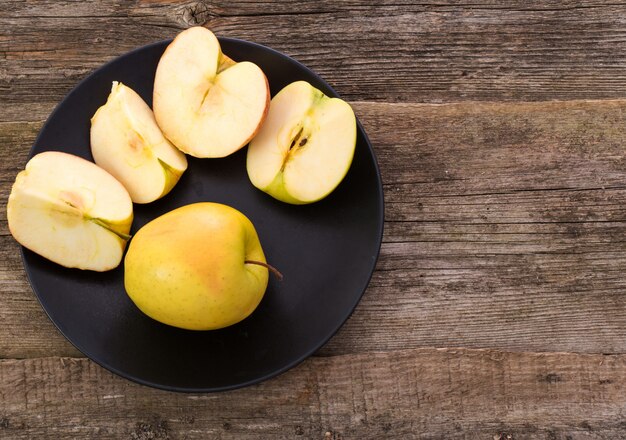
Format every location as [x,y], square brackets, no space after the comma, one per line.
[305,146]
[127,142]
[198,267]
[205,103]
[70,211]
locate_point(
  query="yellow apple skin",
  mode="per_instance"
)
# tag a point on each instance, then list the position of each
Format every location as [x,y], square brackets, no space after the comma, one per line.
[188,267]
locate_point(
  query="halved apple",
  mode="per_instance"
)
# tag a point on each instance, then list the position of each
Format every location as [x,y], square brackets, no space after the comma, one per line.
[127,142]
[305,146]
[205,111]
[70,211]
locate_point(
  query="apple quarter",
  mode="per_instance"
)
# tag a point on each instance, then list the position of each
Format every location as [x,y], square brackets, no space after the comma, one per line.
[127,142]
[305,146]
[70,211]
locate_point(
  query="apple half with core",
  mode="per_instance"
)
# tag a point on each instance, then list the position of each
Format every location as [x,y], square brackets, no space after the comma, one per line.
[70,211]
[305,146]
[198,267]
[205,103]
[127,142]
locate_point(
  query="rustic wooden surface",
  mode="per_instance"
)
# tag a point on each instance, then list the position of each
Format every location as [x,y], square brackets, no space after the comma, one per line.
[498,307]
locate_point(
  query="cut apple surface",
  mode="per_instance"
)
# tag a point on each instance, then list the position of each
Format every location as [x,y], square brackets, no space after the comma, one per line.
[70,211]
[127,142]
[305,146]
[207,104]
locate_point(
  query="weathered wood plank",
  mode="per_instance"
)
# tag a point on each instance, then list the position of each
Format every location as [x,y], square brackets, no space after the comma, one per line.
[504,223]
[485,148]
[27,331]
[411,394]
[391,51]
[517,247]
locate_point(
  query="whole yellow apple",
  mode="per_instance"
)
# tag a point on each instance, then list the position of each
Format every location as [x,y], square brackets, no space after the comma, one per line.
[198,267]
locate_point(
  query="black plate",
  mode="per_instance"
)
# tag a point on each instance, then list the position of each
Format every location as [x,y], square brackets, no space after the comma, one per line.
[326,251]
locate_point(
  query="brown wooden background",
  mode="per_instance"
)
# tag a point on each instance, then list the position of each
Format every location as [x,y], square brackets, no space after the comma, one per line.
[498,307]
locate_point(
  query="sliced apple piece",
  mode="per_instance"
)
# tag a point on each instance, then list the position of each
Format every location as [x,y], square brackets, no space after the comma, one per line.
[206,104]
[305,146]
[70,211]
[127,142]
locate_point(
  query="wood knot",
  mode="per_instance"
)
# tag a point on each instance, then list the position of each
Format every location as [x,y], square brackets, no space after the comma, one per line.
[550,378]
[196,14]
[157,429]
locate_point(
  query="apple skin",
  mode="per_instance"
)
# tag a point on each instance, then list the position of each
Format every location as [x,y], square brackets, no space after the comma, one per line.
[187,267]
[277,190]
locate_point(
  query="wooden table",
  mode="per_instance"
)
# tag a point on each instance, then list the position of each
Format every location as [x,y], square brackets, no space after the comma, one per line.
[498,307]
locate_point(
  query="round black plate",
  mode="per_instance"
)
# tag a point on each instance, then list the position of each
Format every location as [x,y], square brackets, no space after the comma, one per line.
[326,251]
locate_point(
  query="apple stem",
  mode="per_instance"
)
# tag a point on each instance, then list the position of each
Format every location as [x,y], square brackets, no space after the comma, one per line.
[268,267]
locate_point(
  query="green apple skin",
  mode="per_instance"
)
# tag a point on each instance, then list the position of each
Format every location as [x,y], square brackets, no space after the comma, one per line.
[188,268]
[172,176]
[277,190]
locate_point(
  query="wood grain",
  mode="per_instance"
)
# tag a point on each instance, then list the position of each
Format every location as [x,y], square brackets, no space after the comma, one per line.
[406,394]
[504,223]
[505,228]
[389,51]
